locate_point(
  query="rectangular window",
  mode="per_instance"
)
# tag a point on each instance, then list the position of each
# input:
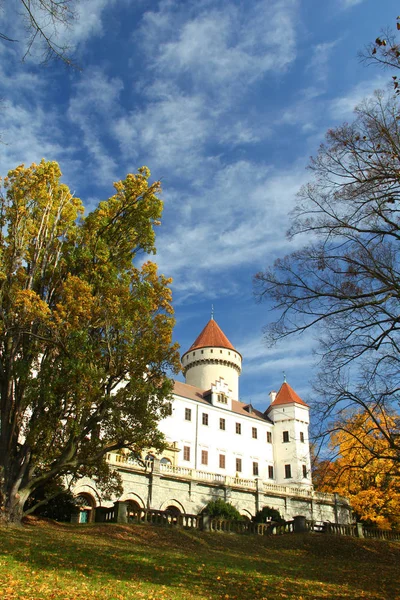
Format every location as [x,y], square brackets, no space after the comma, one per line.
[288,471]
[285,436]
[238,465]
[305,471]
[188,414]
[205,419]
[270,472]
[269,437]
[204,457]
[222,398]
[222,461]
[238,428]
[222,424]
[301,436]
[186,452]
[254,432]
[255,469]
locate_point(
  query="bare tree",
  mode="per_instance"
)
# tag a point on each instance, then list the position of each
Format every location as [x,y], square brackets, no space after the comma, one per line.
[345,282]
[45,24]
[384,52]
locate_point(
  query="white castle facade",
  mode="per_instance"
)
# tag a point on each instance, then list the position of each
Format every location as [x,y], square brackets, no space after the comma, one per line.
[218,446]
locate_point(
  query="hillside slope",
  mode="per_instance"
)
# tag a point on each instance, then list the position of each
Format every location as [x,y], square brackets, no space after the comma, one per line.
[46,560]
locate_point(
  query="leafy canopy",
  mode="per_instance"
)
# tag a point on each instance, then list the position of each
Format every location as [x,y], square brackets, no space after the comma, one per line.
[366,471]
[85,329]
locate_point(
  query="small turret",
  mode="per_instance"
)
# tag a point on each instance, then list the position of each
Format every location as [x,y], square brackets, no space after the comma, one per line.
[290,415]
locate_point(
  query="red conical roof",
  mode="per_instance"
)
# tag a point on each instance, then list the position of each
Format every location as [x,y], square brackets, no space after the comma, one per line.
[287,395]
[212,335]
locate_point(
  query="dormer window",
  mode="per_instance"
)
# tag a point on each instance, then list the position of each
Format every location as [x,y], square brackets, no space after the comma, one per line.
[222,399]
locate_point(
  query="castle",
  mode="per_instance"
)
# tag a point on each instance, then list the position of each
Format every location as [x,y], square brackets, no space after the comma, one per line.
[218,446]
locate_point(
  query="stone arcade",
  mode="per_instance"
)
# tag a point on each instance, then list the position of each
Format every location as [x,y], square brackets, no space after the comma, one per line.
[221,447]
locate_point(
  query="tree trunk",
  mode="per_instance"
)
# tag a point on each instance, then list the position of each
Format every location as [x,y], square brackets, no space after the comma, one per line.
[12,508]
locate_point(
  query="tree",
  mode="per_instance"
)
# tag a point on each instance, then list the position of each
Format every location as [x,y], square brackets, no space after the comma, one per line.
[45,22]
[372,484]
[384,51]
[344,282]
[85,331]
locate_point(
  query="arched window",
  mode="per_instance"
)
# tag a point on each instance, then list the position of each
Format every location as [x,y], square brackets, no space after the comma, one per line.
[165,461]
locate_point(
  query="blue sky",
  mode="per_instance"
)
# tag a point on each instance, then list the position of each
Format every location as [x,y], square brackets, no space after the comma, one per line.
[224,101]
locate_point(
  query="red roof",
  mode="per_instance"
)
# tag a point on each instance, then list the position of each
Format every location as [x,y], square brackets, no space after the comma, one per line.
[287,395]
[194,393]
[212,335]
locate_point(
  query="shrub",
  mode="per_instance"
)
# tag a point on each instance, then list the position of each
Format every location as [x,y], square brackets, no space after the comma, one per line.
[220,508]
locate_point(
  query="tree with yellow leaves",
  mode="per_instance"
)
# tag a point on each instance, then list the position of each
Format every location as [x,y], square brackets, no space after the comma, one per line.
[366,469]
[85,332]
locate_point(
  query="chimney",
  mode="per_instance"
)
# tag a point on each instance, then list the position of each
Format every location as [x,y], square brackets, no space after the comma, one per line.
[272,395]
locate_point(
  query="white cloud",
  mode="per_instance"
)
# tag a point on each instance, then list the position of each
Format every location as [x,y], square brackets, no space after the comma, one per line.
[239,219]
[350,3]
[24,138]
[321,55]
[172,129]
[220,45]
[88,21]
[342,108]
[91,108]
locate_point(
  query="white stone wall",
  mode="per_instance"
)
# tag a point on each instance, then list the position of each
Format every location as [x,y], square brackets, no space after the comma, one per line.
[153,490]
[216,441]
[294,419]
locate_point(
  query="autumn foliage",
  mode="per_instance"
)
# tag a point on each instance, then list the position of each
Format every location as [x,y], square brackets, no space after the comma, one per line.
[85,330]
[366,470]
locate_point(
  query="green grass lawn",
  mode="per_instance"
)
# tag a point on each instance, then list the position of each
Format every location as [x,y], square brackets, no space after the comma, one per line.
[118,562]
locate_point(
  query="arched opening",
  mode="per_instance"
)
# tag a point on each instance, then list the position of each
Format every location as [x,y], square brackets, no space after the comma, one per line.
[131,509]
[173,510]
[165,461]
[86,504]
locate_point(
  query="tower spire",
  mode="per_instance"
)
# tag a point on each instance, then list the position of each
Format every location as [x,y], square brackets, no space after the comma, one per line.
[212,312]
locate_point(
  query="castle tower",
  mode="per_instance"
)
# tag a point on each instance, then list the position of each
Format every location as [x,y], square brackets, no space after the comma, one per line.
[290,415]
[210,358]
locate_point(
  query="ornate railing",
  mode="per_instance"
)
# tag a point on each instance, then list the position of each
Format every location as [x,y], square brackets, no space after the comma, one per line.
[207,523]
[126,463]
